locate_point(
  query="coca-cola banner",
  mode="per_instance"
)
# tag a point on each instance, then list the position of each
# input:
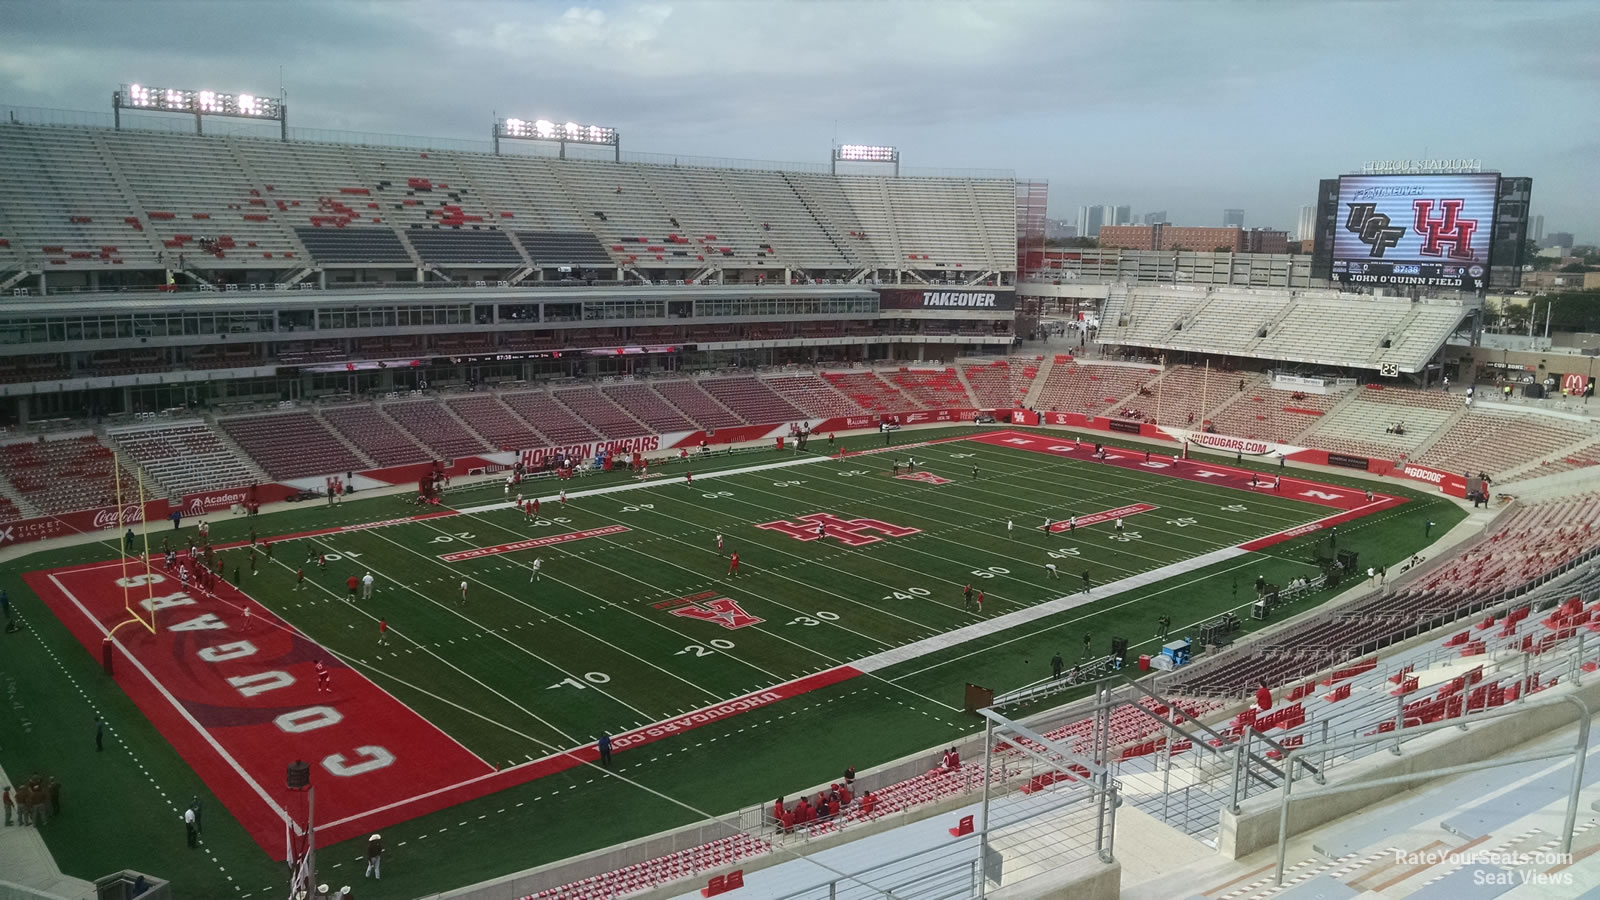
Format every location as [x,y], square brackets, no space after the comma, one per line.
[82,521]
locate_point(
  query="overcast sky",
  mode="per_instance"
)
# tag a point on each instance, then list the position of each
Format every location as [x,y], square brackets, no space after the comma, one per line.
[1186,106]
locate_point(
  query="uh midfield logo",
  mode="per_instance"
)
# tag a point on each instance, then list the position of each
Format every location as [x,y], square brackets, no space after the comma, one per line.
[1377,231]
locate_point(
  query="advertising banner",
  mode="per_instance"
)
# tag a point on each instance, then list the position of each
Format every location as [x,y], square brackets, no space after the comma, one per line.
[85,520]
[987,299]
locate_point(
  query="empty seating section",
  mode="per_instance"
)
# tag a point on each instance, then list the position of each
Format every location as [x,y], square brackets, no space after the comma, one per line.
[708,226]
[1002,384]
[869,391]
[184,457]
[1092,390]
[376,434]
[9,512]
[1186,396]
[814,396]
[521,192]
[718,854]
[1144,316]
[211,213]
[354,245]
[495,421]
[68,474]
[1384,423]
[62,206]
[456,246]
[648,407]
[790,229]
[1272,415]
[564,248]
[433,426]
[604,416]
[1531,542]
[1583,457]
[933,389]
[1321,326]
[1493,444]
[1334,331]
[291,445]
[934,219]
[550,419]
[82,197]
[697,404]
[1429,326]
[749,398]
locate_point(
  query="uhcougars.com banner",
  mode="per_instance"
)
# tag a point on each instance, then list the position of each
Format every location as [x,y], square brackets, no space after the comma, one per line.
[984,299]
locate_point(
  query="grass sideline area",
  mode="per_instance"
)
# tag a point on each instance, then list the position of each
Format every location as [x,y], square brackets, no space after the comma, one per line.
[593,611]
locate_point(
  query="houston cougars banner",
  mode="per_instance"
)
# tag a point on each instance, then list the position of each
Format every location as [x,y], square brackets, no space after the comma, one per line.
[1228,443]
[46,527]
[589,449]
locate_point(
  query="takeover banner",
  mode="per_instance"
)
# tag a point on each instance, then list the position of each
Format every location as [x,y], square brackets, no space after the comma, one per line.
[84,520]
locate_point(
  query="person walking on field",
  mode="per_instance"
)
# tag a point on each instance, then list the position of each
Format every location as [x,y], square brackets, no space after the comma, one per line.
[463,593]
[733,563]
[374,857]
[366,586]
[383,632]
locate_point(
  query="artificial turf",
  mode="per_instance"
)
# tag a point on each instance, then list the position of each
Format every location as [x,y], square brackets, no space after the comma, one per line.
[501,673]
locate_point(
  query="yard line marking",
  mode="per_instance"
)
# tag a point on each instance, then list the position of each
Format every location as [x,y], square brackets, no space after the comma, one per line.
[591,635]
[397,633]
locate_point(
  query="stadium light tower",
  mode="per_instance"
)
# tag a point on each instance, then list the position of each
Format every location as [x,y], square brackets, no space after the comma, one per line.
[563,134]
[862,153]
[199,104]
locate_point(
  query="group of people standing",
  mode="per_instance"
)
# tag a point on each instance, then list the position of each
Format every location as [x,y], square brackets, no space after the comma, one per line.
[34,802]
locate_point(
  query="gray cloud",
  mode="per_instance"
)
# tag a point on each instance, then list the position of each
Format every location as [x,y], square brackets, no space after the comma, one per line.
[1188,107]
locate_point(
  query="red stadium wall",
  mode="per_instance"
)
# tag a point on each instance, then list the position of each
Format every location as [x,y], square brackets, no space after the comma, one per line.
[83,521]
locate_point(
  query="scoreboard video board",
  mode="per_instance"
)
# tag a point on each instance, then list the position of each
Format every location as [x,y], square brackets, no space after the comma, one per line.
[1431,231]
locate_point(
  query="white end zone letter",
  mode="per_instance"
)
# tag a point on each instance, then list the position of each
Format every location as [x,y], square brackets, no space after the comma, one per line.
[377,758]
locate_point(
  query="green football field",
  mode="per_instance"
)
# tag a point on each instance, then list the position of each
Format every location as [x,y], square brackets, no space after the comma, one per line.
[619,629]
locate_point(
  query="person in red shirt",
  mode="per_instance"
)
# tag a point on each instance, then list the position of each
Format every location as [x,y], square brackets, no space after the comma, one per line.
[980,601]
[536,506]
[777,809]
[352,583]
[844,795]
[527,509]
[733,563]
[868,801]
[688,479]
[1263,697]
[383,631]
[786,822]
[300,579]
[324,678]
[802,812]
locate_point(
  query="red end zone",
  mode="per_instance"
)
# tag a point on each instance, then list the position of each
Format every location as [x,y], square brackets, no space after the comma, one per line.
[1352,502]
[239,703]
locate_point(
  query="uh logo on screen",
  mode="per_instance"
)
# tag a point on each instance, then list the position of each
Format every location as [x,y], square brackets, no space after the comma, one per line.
[1377,230]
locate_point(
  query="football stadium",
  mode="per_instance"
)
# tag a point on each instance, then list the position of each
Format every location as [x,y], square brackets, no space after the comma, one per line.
[535,518]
